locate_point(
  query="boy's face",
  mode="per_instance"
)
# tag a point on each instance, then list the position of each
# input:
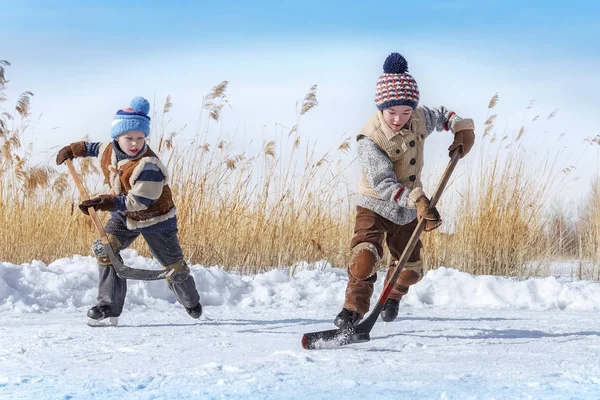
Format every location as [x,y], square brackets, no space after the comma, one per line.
[131,142]
[397,116]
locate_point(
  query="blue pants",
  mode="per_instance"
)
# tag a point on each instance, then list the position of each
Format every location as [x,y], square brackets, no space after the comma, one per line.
[165,248]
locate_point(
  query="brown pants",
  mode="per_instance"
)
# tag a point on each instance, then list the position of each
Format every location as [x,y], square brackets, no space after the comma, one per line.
[370,231]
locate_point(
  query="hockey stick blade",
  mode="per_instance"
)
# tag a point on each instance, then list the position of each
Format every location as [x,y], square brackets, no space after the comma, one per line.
[334,338]
[339,337]
[125,272]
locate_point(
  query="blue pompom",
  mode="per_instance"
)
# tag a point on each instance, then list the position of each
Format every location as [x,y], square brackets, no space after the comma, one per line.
[140,105]
[395,64]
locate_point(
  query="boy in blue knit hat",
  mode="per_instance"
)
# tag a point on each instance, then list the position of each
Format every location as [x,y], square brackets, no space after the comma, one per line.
[140,203]
[390,195]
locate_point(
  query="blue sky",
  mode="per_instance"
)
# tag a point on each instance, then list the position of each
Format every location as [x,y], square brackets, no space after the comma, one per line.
[568,26]
[84,60]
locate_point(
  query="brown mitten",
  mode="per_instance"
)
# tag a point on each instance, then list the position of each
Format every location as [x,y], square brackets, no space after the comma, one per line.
[104,202]
[71,151]
[464,137]
[431,215]
[463,141]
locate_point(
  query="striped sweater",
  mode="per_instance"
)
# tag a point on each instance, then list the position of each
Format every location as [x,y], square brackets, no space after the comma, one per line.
[139,183]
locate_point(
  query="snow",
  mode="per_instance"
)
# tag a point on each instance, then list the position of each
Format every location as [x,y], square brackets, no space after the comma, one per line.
[458,336]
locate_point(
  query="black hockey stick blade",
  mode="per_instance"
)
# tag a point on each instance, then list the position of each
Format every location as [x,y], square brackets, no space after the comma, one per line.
[125,272]
[340,337]
[334,338]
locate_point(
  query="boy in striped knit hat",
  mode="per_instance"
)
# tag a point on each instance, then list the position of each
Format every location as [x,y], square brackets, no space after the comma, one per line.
[390,195]
[140,202]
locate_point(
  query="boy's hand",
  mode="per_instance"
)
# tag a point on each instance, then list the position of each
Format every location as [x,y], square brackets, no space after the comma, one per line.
[431,215]
[463,141]
[104,202]
[71,151]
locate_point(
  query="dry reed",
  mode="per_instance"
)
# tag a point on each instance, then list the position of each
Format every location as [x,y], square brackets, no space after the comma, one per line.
[286,203]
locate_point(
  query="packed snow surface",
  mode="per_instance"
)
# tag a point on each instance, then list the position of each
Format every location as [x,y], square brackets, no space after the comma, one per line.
[458,336]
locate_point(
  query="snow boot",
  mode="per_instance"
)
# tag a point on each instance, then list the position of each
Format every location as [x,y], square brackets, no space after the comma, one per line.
[101,312]
[195,312]
[102,316]
[347,318]
[390,310]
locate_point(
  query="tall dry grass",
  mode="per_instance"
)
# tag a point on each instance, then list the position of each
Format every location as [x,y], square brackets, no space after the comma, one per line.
[36,214]
[281,205]
[588,234]
[502,221]
[288,202]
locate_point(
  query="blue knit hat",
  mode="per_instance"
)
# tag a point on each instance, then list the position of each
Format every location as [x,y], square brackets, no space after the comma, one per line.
[134,118]
[396,87]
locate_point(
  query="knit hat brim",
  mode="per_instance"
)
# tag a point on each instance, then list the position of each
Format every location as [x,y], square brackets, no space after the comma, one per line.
[398,102]
[124,125]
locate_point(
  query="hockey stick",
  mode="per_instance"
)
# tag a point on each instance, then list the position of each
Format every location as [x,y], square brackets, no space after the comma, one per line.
[122,270]
[361,332]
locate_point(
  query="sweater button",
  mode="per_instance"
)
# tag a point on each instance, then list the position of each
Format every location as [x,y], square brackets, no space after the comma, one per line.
[397,151]
[412,143]
[412,178]
[413,161]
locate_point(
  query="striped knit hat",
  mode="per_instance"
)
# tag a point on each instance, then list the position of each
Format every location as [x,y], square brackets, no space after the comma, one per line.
[134,118]
[396,87]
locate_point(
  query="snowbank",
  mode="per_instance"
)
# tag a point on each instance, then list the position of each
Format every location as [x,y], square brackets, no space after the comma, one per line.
[71,283]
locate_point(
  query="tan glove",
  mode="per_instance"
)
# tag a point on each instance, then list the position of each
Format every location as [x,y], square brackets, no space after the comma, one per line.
[464,137]
[431,215]
[463,141]
[418,200]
